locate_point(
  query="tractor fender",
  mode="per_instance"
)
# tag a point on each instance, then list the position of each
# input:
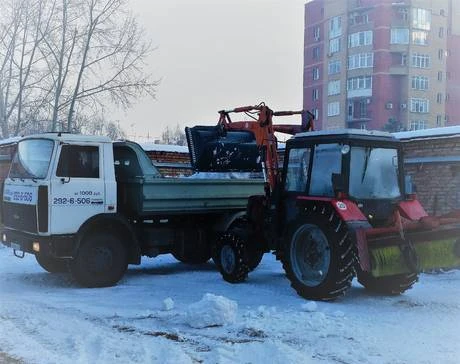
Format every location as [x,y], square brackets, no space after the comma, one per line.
[112,223]
[346,209]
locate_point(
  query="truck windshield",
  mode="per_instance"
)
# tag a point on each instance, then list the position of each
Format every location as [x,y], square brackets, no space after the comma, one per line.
[32,159]
[374,173]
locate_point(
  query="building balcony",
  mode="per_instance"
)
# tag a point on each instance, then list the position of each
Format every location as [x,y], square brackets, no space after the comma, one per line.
[399,70]
[359,118]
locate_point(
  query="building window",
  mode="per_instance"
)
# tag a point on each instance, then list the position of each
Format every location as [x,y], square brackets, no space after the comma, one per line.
[316,51]
[419,37]
[334,45]
[315,72]
[447,98]
[399,36]
[441,32]
[333,108]
[440,54]
[419,105]
[446,119]
[361,60]
[335,27]
[359,83]
[421,18]
[440,76]
[420,60]
[417,124]
[316,33]
[438,120]
[358,18]
[442,12]
[315,94]
[333,88]
[315,113]
[334,67]
[360,39]
[403,14]
[419,83]
[439,98]
[403,59]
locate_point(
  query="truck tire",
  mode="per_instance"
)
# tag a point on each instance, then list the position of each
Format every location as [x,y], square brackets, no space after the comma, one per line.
[231,258]
[319,257]
[391,285]
[51,264]
[101,261]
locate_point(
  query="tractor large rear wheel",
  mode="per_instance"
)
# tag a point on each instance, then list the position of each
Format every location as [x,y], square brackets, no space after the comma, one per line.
[319,257]
[391,285]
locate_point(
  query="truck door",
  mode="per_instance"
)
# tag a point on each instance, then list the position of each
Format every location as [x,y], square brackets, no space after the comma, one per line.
[77,187]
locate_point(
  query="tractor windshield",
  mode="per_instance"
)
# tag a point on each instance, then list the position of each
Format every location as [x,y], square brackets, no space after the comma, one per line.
[32,159]
[374,173]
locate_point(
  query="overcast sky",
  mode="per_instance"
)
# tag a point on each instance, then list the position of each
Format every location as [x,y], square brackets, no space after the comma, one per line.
[215,54]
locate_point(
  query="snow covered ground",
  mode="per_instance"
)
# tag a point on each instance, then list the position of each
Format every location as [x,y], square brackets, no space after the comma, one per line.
[156,315]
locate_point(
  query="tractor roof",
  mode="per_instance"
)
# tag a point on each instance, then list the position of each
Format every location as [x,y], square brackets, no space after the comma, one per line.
[340,135]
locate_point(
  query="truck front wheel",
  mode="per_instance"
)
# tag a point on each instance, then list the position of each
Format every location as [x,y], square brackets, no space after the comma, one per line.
[101,261]
[231,258]
[319,259]
[51,264]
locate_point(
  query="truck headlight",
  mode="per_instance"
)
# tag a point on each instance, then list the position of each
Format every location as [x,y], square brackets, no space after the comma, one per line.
[36,246]
[4,237]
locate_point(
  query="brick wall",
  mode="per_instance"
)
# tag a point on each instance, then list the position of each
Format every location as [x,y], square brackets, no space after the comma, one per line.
[171,164]
[434,165]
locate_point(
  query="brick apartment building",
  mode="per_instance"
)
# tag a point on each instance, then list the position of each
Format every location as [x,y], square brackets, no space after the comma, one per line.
[382,64]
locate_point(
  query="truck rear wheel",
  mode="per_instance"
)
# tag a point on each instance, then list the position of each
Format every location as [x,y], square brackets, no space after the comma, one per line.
[101,261]
[51,264]
[319,258]
[391,285]
[231,258]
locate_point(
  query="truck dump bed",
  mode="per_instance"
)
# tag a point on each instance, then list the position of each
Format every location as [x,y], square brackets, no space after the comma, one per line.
[142,191]
[149,196]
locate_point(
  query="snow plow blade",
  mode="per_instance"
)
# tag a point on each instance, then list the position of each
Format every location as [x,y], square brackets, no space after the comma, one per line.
[420,251]
[213,149]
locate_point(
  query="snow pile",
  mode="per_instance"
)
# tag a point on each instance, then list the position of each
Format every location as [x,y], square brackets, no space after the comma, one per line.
[168,304]
[211,311]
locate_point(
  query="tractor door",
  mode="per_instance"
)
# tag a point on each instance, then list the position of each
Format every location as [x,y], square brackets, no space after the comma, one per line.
[308,172]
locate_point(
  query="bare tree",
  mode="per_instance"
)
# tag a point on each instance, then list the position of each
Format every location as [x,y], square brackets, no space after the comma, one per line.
[62,62]
[175,136]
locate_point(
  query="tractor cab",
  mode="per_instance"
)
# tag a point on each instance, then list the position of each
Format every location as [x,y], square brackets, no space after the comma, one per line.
[362,166]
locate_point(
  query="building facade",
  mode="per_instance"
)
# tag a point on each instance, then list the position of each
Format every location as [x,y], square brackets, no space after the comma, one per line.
[382,64]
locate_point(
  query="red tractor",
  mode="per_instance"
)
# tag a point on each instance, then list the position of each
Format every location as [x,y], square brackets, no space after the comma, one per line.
[340,206]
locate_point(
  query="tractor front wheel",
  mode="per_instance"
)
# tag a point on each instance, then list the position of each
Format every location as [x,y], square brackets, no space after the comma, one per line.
[319,257]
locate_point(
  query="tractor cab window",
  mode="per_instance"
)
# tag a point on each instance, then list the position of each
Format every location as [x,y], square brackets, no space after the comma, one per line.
[374,173]
[327,160]
[297,170]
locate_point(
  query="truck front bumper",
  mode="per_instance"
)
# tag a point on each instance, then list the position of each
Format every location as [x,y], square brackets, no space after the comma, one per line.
[59,246]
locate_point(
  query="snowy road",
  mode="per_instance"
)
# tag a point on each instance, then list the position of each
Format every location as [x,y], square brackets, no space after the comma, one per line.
[45,318]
